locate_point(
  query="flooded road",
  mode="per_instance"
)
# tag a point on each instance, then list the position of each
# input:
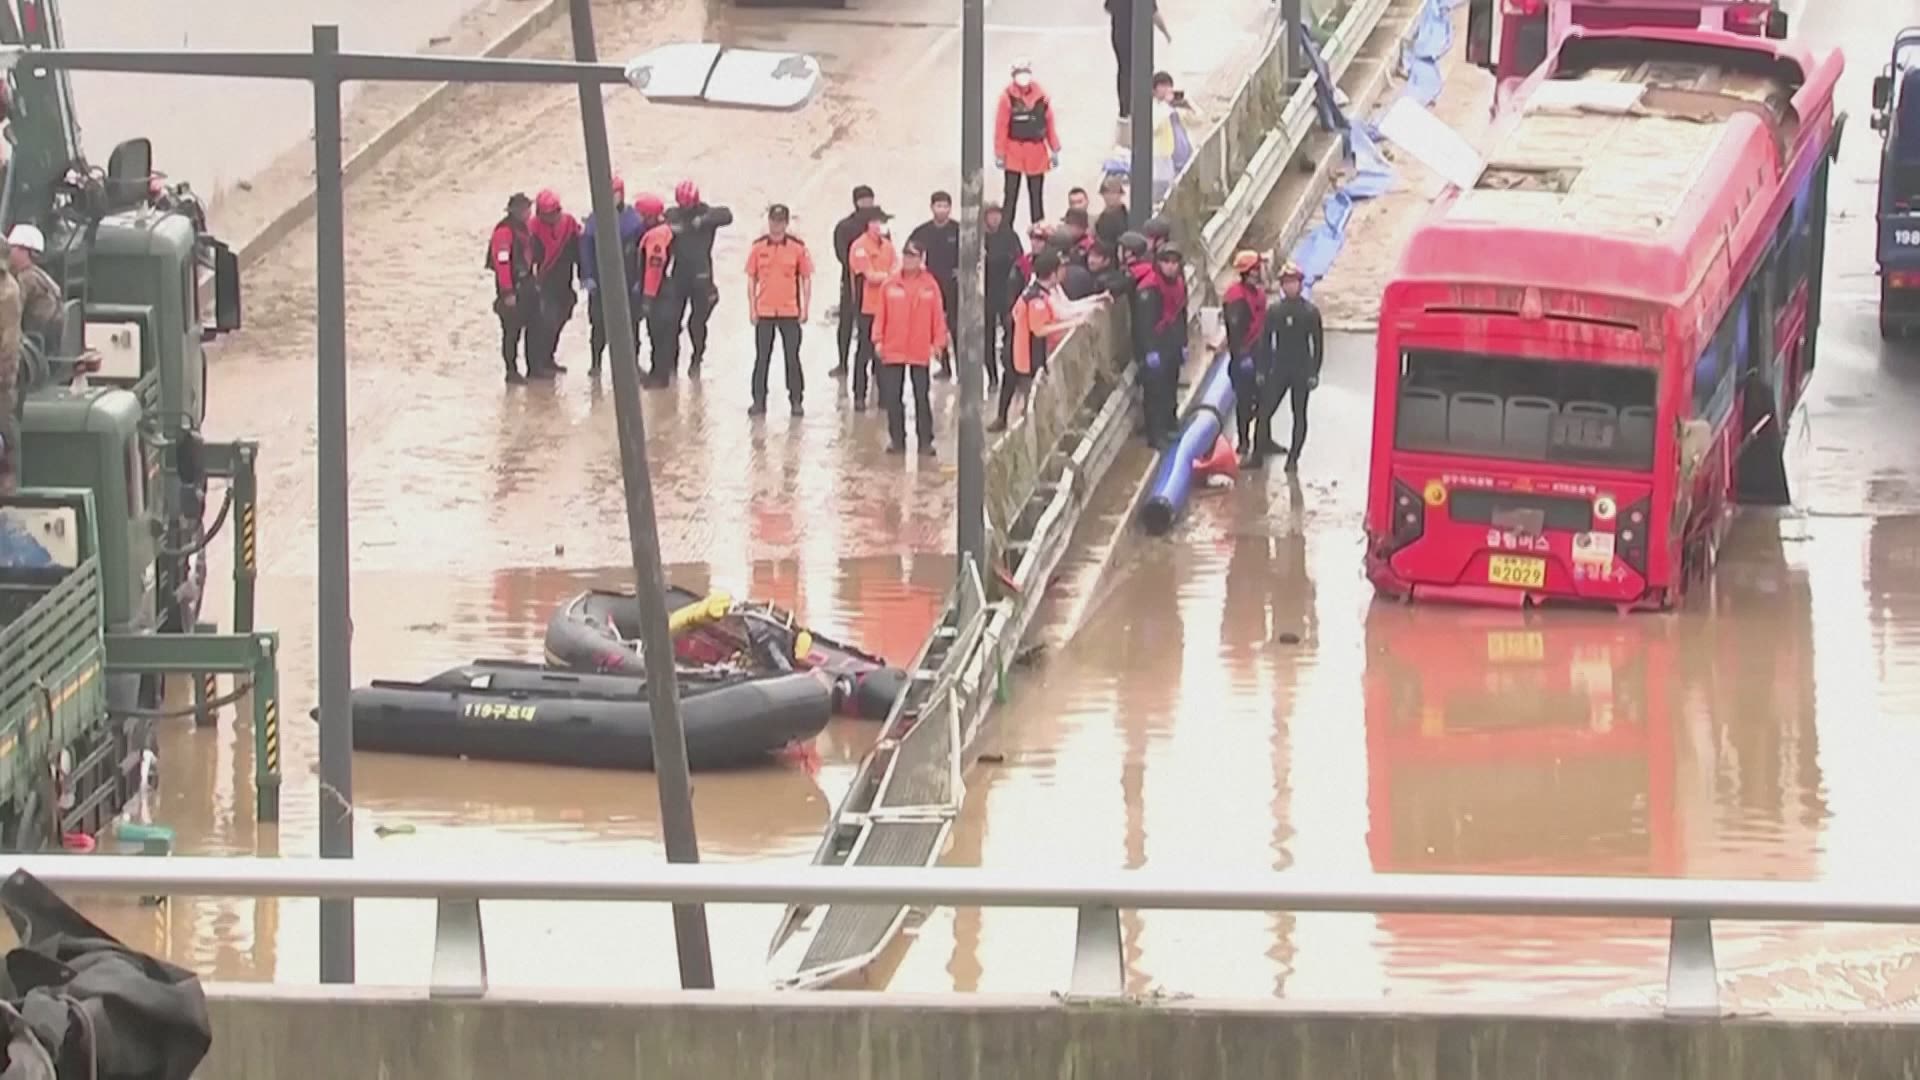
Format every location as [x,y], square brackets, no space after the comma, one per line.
[1234,697]
[479,508]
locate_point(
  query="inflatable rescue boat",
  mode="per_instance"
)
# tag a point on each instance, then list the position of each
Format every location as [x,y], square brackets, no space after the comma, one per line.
[509,711]
[597,631]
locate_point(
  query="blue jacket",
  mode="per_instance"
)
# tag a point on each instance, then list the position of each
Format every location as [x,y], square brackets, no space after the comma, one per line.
[630,229]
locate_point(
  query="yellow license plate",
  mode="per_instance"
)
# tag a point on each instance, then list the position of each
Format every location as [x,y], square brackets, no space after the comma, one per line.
[1518,646]
[1517,572]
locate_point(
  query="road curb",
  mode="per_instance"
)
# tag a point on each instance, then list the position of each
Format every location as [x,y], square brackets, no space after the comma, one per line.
[284,222]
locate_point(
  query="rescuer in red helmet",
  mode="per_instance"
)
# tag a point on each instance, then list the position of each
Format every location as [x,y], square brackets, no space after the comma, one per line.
[1296,343]
[556,252]
[656,257]
[630,228]
[695,294]
[1244,309]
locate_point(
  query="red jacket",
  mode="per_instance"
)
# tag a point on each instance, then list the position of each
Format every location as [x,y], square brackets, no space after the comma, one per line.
[509,256]
[911,324]
[1029,157]
[554,242]
[656,255]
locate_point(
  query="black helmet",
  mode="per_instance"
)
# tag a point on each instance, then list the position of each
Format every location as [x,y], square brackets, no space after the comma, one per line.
[1133,244]
[1158,228]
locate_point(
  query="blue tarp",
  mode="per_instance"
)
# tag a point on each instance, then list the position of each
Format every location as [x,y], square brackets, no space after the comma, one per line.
[1372,176]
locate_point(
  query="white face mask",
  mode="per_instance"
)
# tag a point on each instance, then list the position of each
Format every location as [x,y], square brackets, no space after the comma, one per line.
[1023,80]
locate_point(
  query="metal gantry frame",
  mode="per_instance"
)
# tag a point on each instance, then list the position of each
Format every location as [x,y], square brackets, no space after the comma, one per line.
[326,69]
[1099,897]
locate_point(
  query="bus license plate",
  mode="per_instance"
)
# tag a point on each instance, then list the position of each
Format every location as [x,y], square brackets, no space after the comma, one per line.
[1516,571]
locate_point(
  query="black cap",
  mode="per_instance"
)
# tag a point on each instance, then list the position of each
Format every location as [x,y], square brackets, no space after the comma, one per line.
[1157,228]
[912,247]
[862,191]
[1133,243]
[1168,253]
[518,201]
[779,212]
[874,213]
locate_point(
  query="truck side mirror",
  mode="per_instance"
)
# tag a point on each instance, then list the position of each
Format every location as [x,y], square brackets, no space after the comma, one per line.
[226,289]
[1882,91]
[1879,121]
[129,169]
[1777,25]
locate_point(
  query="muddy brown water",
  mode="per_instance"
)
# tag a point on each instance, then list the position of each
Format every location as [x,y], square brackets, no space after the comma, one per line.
[1231,697]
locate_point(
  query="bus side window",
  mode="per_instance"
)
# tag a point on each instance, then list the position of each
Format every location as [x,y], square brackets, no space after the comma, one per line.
[1780,257]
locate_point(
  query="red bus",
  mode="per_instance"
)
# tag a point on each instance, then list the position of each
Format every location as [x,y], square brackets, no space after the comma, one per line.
[1585,358]
[1511,38]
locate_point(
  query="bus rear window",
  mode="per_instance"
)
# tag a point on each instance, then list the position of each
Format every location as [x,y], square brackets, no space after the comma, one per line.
[1553,411]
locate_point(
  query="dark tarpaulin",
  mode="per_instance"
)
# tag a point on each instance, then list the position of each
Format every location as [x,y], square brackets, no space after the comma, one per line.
[79,1005]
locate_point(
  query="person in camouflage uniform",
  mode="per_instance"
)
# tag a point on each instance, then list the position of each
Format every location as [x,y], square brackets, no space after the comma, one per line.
[9,380]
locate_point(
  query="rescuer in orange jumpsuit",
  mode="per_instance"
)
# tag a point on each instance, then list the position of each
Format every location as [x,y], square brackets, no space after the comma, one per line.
[657,304]
[779,294]
[510,259]
[908,329]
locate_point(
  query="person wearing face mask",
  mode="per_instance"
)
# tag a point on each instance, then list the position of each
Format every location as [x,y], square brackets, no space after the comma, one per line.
[940,239]
[872,260]
[845,232]
[1296,343]
[1160,313]
[1026,143]
[630,230]
[1244,309]
[556,248]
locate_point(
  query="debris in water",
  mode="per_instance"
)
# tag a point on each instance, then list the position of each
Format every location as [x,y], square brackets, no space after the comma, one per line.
[992,757]
[1030,655]
[1288,638]
[559,549]
[402,829]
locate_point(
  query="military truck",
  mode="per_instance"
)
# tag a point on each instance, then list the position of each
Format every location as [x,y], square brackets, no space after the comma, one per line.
[145,286]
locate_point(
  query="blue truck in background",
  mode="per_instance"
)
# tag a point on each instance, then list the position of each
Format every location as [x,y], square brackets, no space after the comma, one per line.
[1896,116]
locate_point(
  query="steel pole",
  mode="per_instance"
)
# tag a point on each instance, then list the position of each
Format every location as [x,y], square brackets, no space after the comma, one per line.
[1140,180]
[1292,45]
[971,335]
[335,569]
[643,534]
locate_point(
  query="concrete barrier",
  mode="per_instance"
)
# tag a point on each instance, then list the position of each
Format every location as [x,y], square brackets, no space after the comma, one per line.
[315,1035]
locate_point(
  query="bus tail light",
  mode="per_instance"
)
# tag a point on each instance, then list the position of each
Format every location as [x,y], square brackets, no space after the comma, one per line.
[1630,537]
[1903,279]
[1409,515]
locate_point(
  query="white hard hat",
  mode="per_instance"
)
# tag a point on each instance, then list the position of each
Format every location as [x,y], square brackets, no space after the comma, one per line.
[29,237]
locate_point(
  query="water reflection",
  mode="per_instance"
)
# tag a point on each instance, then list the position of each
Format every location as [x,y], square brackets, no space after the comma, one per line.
[1573,743]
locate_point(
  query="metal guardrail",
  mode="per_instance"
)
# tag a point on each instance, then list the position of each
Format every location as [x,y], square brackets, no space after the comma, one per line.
[1263,170]
[1690,907]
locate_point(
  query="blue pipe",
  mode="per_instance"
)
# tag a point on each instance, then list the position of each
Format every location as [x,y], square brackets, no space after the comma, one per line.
[1172,481]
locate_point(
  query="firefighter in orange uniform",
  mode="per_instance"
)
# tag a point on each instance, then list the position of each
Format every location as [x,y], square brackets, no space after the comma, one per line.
[779,294]
[871,260]
[1038,328]
[909,328]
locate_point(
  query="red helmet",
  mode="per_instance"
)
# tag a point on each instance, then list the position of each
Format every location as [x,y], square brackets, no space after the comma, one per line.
[619,186]
[649,205]
[687,194]
[546,202]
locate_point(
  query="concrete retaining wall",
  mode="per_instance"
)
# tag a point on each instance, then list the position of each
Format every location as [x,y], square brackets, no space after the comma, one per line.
[294,1033]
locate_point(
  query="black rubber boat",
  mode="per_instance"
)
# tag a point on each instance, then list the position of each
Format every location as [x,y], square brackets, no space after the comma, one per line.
[509,711]
[595,631]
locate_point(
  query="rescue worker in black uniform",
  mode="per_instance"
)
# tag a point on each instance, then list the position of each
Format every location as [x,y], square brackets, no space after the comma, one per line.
[1244,308]
[1160,313]
[694,224]
[515,301]
[845,233]
[1296,345]
[1002,254]
[939,238]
